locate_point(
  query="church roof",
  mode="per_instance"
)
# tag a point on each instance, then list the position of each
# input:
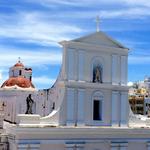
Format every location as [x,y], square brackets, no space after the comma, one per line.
[99,38]
[18,81]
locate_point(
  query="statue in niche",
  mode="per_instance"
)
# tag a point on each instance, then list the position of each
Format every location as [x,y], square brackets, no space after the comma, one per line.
[97,74]
[29,102]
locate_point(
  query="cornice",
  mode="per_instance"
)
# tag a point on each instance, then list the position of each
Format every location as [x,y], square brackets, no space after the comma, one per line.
[82,133]
[91,85]
[92,47]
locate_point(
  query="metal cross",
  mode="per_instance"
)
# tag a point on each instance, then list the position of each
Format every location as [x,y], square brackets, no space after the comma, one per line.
[97,23]
[19,59]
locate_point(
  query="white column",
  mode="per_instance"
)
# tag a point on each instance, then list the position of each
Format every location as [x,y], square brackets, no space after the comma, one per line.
[76,65]
[28,146]
[70,107]
[71,64]
[124,70]
[115,109]
[124,109]
[65,63]
[115,70]
[81,66]
[80,108]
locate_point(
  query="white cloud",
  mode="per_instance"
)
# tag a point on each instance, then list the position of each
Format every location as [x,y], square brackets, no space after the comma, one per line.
[0,76]
[85,3]
[139,60]
[145,3]
[31,58]
[43,81]
[130,84]
[35,28]
[126,13]
[3,76]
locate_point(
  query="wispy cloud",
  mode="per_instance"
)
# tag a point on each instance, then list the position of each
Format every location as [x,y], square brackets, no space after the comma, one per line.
[34,28]
[0,75]
[137,60]
[145,3]
[85,3]
[3,76]
[43,81]
[130,13]
[31,58]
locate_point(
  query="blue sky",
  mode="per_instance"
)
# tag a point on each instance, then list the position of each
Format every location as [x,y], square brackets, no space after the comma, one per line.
[31,29]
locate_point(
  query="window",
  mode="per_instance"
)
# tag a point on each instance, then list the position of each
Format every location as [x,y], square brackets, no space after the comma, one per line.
[97,110]
[20,72]
[53,106]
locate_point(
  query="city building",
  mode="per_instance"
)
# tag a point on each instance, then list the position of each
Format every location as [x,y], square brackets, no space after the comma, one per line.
[139,96]
[137,104]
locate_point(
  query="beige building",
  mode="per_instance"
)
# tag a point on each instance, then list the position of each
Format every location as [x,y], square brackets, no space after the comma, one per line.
[139,97]
[90,99]
[137,104]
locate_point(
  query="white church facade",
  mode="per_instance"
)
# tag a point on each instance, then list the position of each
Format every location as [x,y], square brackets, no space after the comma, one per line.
[89,103]
[15,91]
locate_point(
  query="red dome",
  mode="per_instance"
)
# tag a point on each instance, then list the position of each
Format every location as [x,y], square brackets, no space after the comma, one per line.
[19,64]
[19,81]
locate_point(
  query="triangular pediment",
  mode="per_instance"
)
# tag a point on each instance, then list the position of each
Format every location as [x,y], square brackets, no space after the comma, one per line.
[101,39]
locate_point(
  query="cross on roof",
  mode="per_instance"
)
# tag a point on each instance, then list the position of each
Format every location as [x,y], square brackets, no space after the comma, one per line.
[97,23]
[19,59]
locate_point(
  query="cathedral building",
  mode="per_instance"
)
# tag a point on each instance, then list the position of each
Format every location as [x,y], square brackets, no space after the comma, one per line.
[15,91]
[89,107]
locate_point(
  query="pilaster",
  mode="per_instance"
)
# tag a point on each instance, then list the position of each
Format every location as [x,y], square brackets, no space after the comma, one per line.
[115,108]
[124,109]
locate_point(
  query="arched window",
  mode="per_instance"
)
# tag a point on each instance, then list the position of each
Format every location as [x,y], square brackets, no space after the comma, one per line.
[97,106]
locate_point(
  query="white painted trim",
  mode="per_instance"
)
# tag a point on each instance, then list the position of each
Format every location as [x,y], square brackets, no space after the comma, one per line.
[98,48]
